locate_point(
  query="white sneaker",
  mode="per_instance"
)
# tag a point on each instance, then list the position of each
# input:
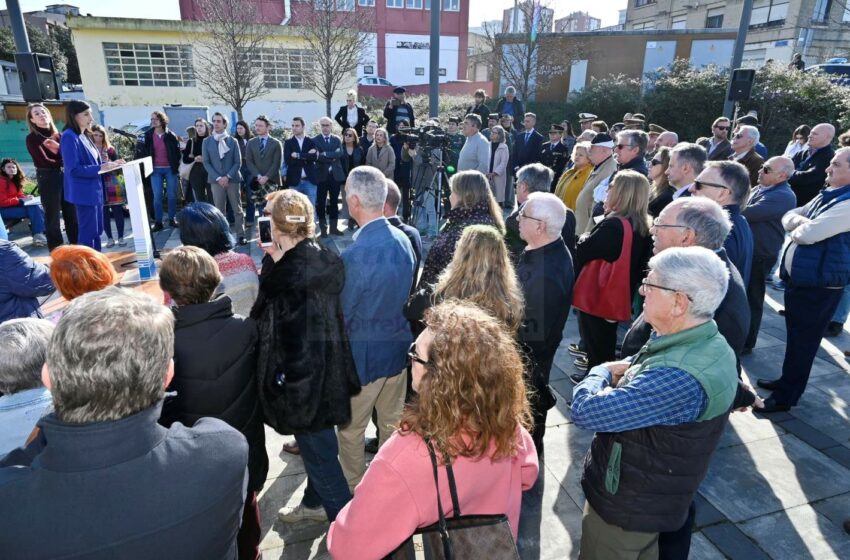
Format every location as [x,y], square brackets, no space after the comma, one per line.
[39,240]
[110,243]
[302,513]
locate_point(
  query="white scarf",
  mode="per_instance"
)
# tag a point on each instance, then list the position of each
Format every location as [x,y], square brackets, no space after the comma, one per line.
[221,139]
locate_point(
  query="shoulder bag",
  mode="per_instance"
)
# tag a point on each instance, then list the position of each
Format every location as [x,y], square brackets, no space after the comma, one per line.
[603,288]
[186,168]
[460,537]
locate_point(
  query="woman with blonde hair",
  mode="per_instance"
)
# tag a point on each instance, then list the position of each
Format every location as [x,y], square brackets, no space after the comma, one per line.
[480,272]
[499,156]
[381,155]
[603,292]
[573,179]
[471,412]
[352,115]
[660,191]
[306,373]
[472,202]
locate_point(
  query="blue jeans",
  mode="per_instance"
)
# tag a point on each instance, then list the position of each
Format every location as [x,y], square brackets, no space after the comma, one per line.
[326,485]
[113,211]
[158,176]
[309,190]
[840,315]
[33,213]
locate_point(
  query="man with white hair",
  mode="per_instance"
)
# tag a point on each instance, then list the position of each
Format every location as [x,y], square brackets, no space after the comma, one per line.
[545,271]
[770,200]
[103,479]
[510,104]
[330,176]
[744,151]
[811,164]
[668,405]
[379,269]
[23,397]
[816,269]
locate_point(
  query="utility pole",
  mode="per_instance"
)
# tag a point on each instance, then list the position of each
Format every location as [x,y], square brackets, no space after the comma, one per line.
[738,53]
[19,29]
[434,100]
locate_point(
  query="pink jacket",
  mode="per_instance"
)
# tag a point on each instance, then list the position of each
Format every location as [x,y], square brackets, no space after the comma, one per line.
[397,495]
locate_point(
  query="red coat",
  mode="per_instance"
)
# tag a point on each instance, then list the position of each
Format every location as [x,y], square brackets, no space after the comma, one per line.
[10,195]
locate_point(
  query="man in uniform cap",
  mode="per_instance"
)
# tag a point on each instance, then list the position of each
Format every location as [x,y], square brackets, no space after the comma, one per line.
[554,154]
[634,124]
[586,120]
[492,120]
[639,116]
[653,131]
[397,110]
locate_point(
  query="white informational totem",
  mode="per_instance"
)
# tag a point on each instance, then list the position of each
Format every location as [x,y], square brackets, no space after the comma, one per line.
[134,186]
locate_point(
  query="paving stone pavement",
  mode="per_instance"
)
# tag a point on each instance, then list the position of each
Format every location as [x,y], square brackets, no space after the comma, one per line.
[778,486]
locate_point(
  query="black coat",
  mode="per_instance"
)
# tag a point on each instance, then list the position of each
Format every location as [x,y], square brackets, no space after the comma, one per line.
[721,152]
[482,111]
[172,148]
[215,376]
[390,111]
[358,158]
[555,159]
[810,176]
[341,118]
[307,161]
[304,364]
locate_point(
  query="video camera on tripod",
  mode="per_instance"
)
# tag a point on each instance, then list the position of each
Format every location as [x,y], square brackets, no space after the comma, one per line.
[431,137]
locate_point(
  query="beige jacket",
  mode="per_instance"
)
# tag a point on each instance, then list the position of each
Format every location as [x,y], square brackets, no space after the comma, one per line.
[584,202]
[385,163]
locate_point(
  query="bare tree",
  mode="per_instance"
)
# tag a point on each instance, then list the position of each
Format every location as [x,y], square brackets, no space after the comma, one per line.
[337,35]
[226,55]
[516,54]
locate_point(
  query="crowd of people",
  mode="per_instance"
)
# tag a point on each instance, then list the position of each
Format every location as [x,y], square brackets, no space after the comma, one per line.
[149,416]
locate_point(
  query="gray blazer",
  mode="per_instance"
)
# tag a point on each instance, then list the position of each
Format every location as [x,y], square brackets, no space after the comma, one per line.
[267,163]
[219,167]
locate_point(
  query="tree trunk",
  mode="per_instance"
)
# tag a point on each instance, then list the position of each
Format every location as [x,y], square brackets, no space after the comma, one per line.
[328,107]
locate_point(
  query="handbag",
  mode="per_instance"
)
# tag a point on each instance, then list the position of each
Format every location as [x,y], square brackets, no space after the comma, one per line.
[602,288]
[185,168]
[460,537]
[259,192]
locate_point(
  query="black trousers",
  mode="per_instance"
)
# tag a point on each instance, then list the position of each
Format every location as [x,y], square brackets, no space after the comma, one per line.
[808,312]
[323,191]
[599,337]
[50,187]
[539,417]
[755,296]
[676,545]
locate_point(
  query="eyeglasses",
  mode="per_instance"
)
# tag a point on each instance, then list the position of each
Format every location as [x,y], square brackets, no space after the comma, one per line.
[525,216]
[657,224]
[722,127]
[646,285]
[698,185]
[412,356]
[656,162]
[621,146]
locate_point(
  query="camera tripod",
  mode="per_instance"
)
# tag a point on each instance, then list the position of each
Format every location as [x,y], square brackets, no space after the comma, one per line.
[435,188]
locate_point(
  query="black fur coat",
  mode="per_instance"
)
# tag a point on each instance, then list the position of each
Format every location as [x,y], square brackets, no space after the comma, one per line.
[304,365]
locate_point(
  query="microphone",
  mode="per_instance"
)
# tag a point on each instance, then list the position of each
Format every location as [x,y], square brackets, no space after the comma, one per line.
[123,133]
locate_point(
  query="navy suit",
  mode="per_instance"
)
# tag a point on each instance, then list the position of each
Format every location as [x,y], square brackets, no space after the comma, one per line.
[83,186]
[810,175]
[330,175]
[306,163]
[526,152]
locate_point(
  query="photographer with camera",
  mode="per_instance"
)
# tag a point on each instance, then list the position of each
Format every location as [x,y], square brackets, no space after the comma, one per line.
[397,110]
[403,163]
[475,154]
[428,149]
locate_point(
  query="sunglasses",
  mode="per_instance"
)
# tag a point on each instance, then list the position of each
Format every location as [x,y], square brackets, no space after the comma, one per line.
[412,356]
[722,127]
[656,162]
[737,136]
[621,146]
[766,169]
[699,185]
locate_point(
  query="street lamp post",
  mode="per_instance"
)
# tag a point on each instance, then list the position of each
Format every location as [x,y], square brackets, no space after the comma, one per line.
[738,53]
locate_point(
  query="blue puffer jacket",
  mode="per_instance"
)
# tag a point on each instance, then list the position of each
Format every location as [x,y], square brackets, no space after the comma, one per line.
[825,264]
[21,281]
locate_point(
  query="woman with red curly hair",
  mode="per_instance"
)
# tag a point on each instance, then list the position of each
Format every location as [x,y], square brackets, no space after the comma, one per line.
[78,270]
[472,407]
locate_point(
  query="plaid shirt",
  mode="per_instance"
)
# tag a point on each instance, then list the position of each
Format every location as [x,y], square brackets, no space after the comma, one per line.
[655,397]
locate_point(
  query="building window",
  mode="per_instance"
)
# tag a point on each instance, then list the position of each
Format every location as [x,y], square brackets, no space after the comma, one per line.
[420,70]
[639,3]
[338,5]
[768,11]
[370,3]
[369,69]
[680,22]
[821,11]
[284,68]
[414,4]
[450,6]
[714,19]
[395,3]
[644,25]
[143,64]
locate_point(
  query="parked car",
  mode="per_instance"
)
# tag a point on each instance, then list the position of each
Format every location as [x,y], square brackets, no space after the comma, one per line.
[375,86]
[838,73]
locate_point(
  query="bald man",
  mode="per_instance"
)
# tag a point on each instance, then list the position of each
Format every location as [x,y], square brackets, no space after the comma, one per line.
[667,138]
[769,201]
[810,174]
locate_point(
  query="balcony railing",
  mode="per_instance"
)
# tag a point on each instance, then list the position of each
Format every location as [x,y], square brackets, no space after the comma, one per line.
[768,24]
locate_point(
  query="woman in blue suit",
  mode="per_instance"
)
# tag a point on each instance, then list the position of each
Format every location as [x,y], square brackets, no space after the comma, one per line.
[83,185]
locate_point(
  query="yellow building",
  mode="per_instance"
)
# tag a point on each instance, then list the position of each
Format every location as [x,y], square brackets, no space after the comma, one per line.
[132,66]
